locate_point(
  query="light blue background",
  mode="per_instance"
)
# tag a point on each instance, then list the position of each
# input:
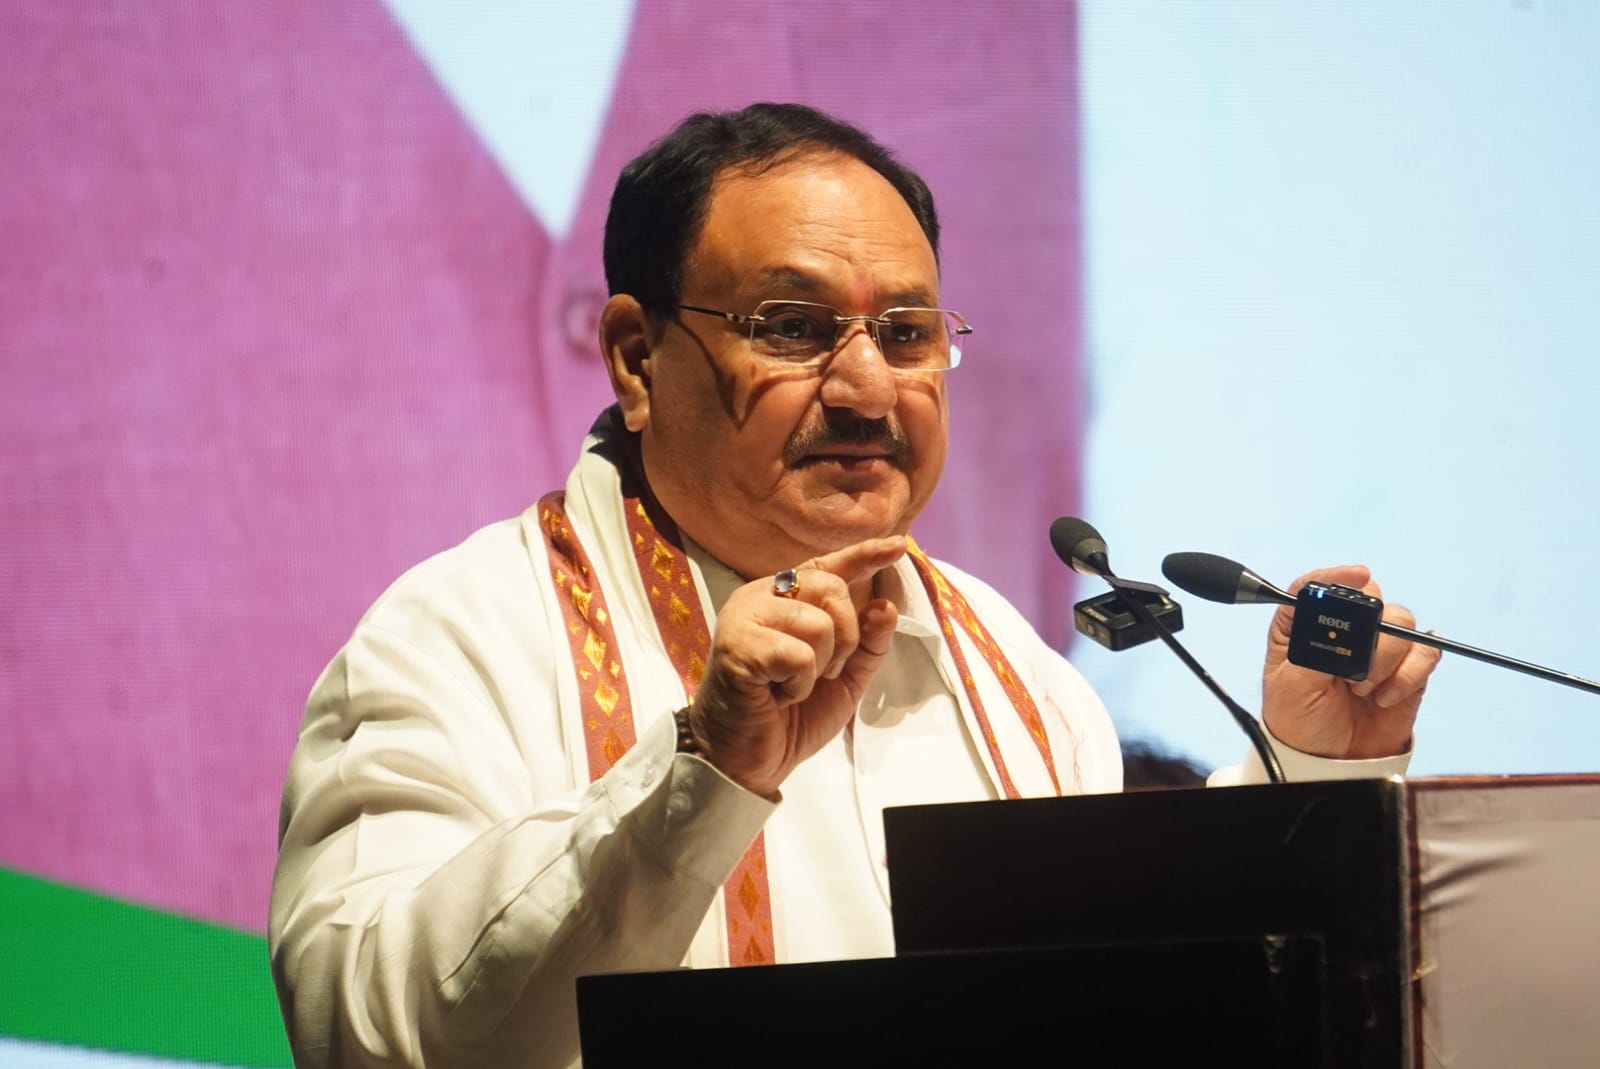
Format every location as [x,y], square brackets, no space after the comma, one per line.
[1341,269]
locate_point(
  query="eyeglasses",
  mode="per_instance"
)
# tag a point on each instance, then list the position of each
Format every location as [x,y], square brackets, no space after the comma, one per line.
[799,332]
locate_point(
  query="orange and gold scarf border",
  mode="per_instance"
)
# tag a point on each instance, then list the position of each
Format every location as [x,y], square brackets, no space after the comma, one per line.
[952,610]
[607,713]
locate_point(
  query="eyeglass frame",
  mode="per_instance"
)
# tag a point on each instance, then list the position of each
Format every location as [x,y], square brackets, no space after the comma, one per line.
[874,324]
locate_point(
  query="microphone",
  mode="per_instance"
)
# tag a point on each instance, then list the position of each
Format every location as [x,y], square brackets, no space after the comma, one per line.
[1206,575]
[1081,548]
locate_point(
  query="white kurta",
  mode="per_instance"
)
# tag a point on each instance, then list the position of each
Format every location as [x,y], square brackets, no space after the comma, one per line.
[447,870]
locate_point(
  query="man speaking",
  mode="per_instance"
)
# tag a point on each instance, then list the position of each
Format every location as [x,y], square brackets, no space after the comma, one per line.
[655,719]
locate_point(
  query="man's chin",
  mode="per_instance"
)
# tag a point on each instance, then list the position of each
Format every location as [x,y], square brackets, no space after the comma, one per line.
[842,519]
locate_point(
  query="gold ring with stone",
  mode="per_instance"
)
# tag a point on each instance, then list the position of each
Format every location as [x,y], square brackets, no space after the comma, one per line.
[786,584]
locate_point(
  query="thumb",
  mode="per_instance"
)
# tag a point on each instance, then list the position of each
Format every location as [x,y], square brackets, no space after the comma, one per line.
[1278,634]
[877,622]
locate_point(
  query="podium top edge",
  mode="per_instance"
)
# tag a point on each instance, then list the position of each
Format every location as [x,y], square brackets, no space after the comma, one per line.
[1558,779]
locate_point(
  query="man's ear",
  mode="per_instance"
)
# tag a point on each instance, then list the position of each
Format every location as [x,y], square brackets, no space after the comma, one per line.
[627,338]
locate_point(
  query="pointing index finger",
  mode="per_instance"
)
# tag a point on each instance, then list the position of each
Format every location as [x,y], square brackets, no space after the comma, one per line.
[862,560]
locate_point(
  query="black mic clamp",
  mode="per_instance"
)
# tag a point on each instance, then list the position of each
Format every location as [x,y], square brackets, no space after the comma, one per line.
[1109,620]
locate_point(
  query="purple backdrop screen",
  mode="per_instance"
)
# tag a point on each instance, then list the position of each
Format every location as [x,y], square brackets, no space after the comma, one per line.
[295,295]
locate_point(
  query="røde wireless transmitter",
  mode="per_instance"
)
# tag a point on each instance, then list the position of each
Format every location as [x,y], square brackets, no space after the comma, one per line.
[1335,630]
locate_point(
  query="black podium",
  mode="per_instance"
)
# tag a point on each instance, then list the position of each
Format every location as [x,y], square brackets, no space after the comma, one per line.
[1168,1005]
[1361,923]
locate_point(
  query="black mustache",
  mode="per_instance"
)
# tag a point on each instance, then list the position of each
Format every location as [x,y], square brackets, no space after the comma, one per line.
[844,428]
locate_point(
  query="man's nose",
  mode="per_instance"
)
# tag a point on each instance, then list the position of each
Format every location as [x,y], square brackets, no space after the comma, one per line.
[858,377]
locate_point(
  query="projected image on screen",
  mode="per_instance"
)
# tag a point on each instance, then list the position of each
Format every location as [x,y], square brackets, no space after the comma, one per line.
[297,295]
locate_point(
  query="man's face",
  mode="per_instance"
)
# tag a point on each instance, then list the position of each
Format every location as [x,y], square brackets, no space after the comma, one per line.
[768,465]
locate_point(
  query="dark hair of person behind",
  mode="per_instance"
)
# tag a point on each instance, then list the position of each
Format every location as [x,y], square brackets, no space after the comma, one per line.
[661,197]
[1146,766]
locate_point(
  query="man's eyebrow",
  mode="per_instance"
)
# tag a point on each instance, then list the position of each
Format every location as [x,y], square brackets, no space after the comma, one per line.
[793,279]
[789,278]
[913,298]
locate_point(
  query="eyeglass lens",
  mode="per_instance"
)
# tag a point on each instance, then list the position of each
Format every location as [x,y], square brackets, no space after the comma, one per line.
[915,338]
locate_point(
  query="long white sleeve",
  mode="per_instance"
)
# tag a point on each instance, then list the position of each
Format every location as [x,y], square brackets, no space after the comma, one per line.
[443,877]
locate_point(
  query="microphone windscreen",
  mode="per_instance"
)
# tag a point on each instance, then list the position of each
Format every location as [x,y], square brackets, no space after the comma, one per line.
[1205,575]
[1079,545]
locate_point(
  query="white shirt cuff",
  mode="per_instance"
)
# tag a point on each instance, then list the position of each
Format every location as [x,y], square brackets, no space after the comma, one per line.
[1302,767]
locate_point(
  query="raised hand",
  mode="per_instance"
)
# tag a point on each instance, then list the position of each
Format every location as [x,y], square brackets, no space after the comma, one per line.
[1333,717]
[786,673]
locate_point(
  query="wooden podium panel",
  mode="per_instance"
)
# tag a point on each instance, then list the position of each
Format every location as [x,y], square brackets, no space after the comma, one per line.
[1505,890]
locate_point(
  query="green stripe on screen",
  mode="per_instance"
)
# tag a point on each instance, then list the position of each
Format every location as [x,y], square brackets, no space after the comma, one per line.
[90,971]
